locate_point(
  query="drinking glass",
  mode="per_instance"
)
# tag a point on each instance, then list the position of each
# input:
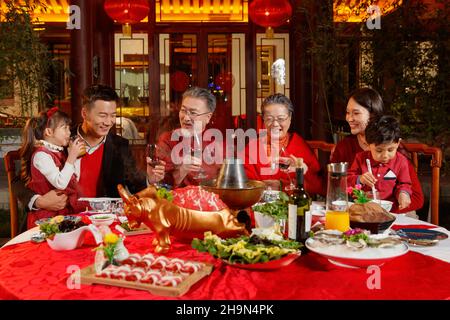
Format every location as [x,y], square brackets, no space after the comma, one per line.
[284,163]
[153,152]
[199,175]
[83,150]
[337,215]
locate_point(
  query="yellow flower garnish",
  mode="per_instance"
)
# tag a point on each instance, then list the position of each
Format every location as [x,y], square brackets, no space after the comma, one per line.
[111,238]
[57,219]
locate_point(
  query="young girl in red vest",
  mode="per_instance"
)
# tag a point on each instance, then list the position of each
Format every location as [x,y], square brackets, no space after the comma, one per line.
[45,163]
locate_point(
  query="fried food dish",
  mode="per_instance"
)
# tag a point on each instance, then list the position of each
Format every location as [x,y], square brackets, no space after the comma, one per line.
[369,212]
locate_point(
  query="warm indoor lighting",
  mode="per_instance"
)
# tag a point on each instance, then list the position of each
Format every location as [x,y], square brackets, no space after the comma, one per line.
[356,10]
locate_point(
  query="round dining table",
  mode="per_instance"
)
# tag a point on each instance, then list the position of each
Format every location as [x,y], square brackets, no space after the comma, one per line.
[34,271]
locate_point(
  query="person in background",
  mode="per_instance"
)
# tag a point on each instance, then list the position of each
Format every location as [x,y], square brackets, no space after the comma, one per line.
[389,172]
[277,111]
[108,160]
[186,167]
[363,104]
[45,165]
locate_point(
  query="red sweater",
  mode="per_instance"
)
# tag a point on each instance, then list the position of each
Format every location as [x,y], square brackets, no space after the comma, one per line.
[346,151]
[257,165]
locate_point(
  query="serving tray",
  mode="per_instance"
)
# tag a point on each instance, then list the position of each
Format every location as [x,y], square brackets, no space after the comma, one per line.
[141,230]
[89,277]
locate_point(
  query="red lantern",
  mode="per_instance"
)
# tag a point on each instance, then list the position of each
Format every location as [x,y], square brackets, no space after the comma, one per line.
[270,13]
[126,12]
[179,81]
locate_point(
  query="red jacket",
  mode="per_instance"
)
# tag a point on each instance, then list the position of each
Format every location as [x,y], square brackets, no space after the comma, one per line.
[346,151]
[257,165]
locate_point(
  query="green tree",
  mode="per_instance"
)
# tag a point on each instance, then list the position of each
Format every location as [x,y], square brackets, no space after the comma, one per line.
[24,59]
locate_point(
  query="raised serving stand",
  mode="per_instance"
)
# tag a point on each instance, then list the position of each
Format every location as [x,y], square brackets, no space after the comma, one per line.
[234,188]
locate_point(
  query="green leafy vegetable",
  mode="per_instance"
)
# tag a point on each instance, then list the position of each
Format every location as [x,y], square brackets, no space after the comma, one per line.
[245,249]
[163,193]
[277,209]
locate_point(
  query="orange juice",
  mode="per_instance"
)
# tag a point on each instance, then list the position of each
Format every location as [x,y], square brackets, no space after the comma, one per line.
[337,220]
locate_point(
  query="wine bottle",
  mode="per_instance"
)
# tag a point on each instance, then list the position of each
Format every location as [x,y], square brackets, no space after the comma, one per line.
[299,204]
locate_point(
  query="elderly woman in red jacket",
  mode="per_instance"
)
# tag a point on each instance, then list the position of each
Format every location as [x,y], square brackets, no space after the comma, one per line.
[363,104]
[276,146]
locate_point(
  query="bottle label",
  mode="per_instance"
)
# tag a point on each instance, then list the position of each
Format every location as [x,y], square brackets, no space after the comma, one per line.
[292,221]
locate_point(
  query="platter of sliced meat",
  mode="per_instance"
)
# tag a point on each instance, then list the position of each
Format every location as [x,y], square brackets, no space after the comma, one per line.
[157,274]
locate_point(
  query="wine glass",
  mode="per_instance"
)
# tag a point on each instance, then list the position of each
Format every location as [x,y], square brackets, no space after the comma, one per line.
[153,153]
[284,162]
[199,175]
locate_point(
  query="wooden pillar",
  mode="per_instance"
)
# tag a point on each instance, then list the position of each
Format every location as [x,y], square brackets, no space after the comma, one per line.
[300,72]
[91,52]
[250,75]
[103,46]
[154,69]
[81,53]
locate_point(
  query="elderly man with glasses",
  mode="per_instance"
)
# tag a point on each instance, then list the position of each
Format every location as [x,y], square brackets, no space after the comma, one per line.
[281,149]
[183,150]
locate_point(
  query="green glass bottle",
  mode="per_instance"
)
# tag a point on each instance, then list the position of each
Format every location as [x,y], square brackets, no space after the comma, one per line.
[299,204]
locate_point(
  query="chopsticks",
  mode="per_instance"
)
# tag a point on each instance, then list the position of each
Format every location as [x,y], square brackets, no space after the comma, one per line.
[369,168]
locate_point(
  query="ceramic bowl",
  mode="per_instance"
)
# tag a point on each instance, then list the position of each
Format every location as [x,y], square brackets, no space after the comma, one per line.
[385,204]
[102,219]
[73,239]
[373,227]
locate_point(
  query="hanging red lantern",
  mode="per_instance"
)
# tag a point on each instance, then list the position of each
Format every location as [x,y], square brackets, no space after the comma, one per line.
[179,81]
[126,12]
[270,13]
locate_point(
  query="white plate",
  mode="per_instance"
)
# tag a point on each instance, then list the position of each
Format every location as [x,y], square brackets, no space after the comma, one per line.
[342,255]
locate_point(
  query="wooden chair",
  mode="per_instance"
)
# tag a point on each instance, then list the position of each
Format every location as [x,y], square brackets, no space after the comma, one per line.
[10,166]
[318,145]
[436,163]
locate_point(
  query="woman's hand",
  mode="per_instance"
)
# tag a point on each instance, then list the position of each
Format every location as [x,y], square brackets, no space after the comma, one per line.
[368,179]
[156,173]
[297,163]
[404,200]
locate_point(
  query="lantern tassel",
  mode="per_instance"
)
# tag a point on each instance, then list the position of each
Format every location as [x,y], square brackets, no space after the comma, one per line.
[269,33]
[126,30]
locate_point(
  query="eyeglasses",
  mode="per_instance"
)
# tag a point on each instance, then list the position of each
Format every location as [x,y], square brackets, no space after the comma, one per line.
[191,114]
[269,120]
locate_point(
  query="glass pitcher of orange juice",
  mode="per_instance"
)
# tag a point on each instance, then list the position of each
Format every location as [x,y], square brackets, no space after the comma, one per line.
[337,216]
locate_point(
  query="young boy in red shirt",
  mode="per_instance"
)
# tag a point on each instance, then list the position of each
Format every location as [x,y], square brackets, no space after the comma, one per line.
[390,174]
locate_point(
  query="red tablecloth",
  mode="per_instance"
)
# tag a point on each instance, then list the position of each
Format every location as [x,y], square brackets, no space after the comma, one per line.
[34,271]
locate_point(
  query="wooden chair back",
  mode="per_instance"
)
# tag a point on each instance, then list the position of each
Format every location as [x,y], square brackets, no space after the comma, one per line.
[436,163]
[318,145]
[10,158]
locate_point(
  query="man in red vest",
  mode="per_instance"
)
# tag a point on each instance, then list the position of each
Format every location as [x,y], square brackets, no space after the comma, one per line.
[108,160]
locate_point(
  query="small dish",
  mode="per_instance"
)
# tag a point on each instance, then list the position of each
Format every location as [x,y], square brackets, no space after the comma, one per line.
[421,237]
[102,219]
